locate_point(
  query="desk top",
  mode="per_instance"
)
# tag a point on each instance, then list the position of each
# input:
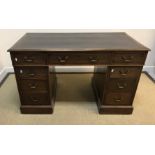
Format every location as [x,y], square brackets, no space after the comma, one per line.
[51,42]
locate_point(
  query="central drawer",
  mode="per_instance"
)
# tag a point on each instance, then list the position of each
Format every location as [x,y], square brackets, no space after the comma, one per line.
[34,85]
[78,59]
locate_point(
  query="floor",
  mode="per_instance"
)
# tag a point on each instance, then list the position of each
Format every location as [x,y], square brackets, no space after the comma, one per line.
[75,104]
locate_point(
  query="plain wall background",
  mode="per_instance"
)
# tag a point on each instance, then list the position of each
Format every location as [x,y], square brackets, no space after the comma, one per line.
[9,37]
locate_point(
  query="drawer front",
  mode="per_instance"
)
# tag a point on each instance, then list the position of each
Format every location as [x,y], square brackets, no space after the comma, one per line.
[125,72]
[34,85]
[29,59]
[128,58]
[35,99]
[121,85]
[118,99]
[32,72]
[80,59]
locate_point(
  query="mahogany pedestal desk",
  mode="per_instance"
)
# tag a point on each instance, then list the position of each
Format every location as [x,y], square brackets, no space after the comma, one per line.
[117,59]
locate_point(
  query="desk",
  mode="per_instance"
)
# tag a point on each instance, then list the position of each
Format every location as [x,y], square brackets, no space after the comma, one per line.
[117,59]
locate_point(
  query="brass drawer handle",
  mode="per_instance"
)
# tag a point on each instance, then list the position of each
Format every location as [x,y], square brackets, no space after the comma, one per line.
[123,73]
[35,100]
[117,99]
[26,59]
[63,59]
[33,86]
[92,60]
[121,86]
[127,59]
[29,60]
[31,74]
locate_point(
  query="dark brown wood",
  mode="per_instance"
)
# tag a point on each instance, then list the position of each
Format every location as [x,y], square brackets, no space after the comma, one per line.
[35,99]
[28,59]
[118,61]
[99,79]
[130,58]
[67,58]
[36,109]
[34,85]
[120,85]
[111,97]
[118,41]
[117,99]
[109,109]
[115,110]
[124,72]
[31,72]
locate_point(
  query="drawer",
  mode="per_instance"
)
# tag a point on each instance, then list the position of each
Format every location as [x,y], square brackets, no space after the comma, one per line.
[33,85]
[125,72]
[35,99]
[32,72]
[80,59]
[128,58]
[29,59]
[118,99]
[119,85]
